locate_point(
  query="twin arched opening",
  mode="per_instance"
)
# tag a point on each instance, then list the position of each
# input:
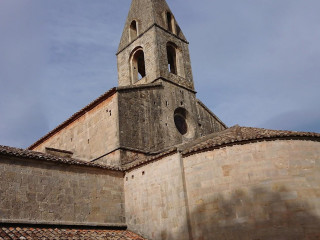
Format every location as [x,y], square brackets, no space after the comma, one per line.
[174,57]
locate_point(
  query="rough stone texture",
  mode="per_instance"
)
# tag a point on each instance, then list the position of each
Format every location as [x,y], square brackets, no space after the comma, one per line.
[152,112]
[155,200]
[149,45]
[39,191]
[208,122]
[153,40]
[146,13]
[185,78]
[151,108]
[92,135]
[263,190]
[129,156]
[110,158]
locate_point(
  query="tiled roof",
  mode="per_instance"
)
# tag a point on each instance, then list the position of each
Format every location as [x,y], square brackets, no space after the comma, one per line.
[28,154]
[238,135]
[233,135]
[47,233]
[75,116]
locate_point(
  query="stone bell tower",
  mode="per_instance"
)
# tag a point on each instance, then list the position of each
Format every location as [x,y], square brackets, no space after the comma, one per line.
[153,47]
[157,100]
[153,109]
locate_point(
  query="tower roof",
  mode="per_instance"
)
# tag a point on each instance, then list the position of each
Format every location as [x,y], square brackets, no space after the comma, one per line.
[148,13]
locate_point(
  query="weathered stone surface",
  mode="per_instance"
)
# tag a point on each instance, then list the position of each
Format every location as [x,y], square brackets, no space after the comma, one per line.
[263,190]
[152,112]
[90,136]
[147,13]
[35,191]
[155,205]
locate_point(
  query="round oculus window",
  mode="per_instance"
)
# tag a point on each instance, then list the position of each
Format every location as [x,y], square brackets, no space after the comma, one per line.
[180,120]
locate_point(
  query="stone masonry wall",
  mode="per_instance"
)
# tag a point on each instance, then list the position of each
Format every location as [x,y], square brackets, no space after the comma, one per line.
[152,112]
[92,135]
[207,123]
[265,190]
[155,200]
[148,43]
[146,13]
[146,117]
[185,79]
[43,192]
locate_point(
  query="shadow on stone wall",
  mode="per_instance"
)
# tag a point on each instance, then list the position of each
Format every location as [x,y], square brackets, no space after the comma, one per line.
[257,214]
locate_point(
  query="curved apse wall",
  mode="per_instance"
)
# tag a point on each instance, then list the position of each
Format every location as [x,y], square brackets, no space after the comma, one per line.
[262,190]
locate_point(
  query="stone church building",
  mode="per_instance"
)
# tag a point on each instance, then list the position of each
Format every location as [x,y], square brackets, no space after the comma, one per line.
[148,160]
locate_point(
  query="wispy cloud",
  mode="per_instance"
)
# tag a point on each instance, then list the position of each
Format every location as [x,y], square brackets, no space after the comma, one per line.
[256,63]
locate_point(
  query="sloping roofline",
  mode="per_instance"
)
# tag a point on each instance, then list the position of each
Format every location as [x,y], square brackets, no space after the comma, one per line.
[240,135]
[235,135]
[29,154]
[211,113]
[75,116]
[232,136]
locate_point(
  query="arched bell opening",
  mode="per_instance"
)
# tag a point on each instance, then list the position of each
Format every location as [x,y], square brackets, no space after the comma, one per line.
[175,60]
[138,69]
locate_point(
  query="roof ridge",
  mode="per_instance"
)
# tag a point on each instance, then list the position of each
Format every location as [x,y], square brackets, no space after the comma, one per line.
[29,154]
[238,134]
[75,116]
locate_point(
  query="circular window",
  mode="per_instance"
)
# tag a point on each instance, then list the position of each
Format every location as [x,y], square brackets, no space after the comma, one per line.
[180,120]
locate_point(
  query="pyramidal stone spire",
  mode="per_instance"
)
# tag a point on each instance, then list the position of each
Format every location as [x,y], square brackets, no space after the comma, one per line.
[147,13]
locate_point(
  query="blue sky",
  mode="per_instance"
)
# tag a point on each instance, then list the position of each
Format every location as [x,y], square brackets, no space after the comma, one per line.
[255,62]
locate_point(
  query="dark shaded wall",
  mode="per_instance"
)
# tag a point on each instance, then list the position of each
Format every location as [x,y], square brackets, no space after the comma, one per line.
[146,117]
[44,192]
[208,122]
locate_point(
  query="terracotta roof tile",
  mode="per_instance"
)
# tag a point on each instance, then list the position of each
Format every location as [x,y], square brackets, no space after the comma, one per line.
[233,135]
[237,134]
[23,153]
[54,233]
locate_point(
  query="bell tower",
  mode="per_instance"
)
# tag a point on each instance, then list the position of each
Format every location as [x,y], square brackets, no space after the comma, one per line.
[153,47]
[158,108]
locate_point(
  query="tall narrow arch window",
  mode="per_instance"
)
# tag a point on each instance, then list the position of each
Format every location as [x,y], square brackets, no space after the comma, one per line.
[172,58]
[169,22]
[133,30]
[175,60]
[138,70]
